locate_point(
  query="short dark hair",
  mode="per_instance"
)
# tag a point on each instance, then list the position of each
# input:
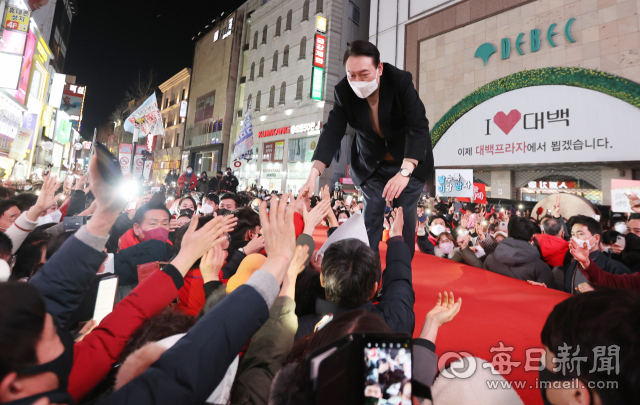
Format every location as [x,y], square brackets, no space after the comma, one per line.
[247,219]
[361,47]
[213,197]
[594,226]
[228,169]
[433,217]
[600,319]
[610,237]
[220,172]
[234,197]
[188,197]
[553,226]
[139,215]
[6,245]
[6,193]
[521,228]
[26,200]
[350,270]
[23,314]
[7,204]
[632,217]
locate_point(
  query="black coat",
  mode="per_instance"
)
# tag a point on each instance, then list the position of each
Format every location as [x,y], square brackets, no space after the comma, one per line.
[403,122]
[573,277]
[396,304]
[519,259]
[229,183]
[213,185]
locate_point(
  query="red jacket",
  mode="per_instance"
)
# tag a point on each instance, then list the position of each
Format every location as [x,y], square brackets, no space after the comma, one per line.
[100,349]
[552,248]
[183,179]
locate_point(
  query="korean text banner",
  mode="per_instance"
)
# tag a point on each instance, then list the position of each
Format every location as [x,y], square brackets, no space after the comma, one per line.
[479,194]
[619,190]
[147,117]
[454,183]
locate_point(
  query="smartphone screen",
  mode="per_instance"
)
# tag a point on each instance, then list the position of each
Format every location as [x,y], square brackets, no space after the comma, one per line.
[388,372]
[106,298]
[504,225]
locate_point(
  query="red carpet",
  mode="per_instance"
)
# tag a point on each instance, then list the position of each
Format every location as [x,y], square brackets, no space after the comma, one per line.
[495,309]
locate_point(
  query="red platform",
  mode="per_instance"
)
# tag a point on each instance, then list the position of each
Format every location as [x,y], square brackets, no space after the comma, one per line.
[495,309]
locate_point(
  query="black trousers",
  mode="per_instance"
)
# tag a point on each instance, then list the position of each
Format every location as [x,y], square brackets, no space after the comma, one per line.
[374,205]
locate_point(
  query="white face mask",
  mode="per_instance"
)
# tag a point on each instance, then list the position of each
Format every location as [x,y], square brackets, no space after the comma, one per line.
[364,89]
[342,221]
[206,209]
[437,229]
[581,242]
[621,227]
[27,187]
[189,171]
[446,247]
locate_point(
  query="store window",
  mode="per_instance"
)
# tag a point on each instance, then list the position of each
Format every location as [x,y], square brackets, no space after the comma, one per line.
[273,151]
[207,162]
[301,149]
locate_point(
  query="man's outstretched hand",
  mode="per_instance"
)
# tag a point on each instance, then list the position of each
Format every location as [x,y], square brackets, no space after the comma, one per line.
[397,222]
[445,310]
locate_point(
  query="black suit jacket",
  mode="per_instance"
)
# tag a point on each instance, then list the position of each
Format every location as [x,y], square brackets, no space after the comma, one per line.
[403,123]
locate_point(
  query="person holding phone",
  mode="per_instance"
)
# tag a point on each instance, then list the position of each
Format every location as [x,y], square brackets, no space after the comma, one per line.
[391,152]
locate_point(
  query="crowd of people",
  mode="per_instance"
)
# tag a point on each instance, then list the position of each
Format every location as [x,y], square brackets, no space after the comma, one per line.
[222,297]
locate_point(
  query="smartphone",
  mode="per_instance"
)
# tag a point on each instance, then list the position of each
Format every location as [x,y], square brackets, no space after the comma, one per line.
[472,221]
[387,369]
[621,241]
[348,201]
[504,225]
[106,298]
[155,190]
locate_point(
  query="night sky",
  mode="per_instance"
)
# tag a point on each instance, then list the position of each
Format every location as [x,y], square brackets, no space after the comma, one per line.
[111,41]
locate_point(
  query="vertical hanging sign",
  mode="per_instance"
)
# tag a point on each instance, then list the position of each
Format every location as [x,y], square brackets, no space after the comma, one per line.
[319,51]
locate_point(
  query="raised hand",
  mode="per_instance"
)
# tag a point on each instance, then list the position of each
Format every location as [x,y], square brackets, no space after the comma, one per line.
[396,222]
[581,253]
[279,236]
[313,218]
[584,287]
[295,267]
[556,207]
[634,201]
[537,283]
[195,243]
[255,245]
[445,310]
[212,262]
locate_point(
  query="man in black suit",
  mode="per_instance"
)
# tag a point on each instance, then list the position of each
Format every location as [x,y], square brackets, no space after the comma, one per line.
[391,154]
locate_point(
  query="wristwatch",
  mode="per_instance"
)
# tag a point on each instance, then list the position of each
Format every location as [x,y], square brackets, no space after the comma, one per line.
[241,250]
[405,173]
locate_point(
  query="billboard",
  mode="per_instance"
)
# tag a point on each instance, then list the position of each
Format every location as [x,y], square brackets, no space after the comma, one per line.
[25,73]
[72,101]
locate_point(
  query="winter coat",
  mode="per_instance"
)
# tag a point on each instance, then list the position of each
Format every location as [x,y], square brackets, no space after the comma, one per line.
[182,181]
[188,372]
[214,185]
[126,261]
[573,277]
[427,243]
[519,259]
[398,297]
[552,248]
[269,348]
[95,355]
[229,183]
[119,228]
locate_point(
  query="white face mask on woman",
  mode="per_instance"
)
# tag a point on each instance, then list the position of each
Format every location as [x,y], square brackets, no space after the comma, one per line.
[437,229]
[364,89]
[621,227]
[446,247]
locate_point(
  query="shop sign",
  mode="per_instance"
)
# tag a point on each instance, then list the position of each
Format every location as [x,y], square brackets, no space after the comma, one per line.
[321,24]
[346,180]
[487,49]
[316,83]
[20,144]
[454,183]
[273,151]
[124,155]
[318,52]
[274,132]
[552,185]
[542,124]
[21,93]
[17,19]
[310,126]
[86,145]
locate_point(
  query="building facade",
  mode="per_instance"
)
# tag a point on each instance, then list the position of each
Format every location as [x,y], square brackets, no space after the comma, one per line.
[294,52]
[538,97]
[213,91]
[54,20]
[167,154]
